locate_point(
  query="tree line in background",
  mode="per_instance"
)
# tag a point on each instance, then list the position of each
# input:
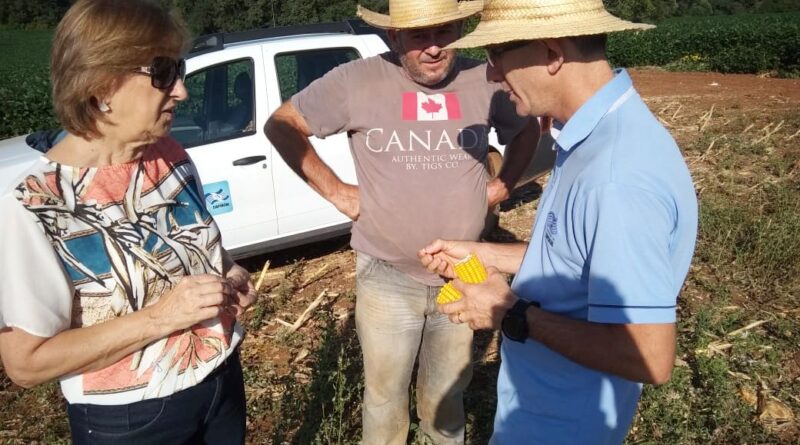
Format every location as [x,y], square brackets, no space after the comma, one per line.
[206,16]
[652,11]
[203,16]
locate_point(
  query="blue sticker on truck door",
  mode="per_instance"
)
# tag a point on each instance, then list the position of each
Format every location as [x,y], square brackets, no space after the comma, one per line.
[218,198]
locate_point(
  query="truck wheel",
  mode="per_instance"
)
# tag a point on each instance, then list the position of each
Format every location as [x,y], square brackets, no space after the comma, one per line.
[494,160]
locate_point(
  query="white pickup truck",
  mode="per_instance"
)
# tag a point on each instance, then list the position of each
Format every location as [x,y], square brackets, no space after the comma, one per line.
[235,81]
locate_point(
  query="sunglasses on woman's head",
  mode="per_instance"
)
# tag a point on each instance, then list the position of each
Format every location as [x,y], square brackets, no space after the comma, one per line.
[164,71]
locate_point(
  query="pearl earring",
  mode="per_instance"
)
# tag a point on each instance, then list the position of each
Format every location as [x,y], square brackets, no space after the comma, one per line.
[104,107]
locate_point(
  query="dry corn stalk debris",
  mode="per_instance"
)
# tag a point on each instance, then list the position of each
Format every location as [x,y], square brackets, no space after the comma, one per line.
[748,395]
[776,411]
[306,315]
[739,375]
[262,276]
[284,323]
[667,107]
[301,355]
[750,326]
[706,118]
[316,276]
[769,133]
[675,115]
[768,408]
[679,362]
[715,347]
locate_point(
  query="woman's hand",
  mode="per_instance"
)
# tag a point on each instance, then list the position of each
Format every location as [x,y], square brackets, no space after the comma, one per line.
[30,360]
[245,292]
[196,298]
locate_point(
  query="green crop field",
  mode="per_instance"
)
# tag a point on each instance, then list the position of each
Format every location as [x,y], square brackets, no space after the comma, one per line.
[24,82]
[745,44]
[728,44]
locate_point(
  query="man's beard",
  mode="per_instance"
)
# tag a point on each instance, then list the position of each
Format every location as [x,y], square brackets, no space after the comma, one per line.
[425,78]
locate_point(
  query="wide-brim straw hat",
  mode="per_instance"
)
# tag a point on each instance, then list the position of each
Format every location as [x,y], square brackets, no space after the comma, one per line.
[508,20]
[410,14]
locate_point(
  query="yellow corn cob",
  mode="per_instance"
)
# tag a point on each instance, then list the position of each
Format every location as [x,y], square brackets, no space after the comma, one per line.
[469,270]
[448,294]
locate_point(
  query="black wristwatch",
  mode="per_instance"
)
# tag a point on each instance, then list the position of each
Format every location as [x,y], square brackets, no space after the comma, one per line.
[515,322]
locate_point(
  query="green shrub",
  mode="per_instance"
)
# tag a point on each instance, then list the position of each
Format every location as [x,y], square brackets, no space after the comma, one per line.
[728,44]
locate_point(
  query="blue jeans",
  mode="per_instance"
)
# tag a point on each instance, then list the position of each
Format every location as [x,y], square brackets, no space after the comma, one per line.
[396,321]
[211,412]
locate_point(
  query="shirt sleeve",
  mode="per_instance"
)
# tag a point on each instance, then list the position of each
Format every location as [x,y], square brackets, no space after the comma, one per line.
[504,118]
[628,232]
[324,103]
[35,293]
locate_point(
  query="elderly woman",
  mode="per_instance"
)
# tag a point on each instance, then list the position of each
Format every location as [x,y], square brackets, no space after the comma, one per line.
[114,277]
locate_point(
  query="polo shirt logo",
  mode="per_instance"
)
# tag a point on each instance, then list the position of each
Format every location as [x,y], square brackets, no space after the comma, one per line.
[551,228]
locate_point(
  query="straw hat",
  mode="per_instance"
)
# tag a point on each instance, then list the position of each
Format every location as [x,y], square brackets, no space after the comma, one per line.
[508,20]
[407,14]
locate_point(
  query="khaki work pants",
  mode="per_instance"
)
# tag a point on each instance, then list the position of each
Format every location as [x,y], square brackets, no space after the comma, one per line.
[397,322]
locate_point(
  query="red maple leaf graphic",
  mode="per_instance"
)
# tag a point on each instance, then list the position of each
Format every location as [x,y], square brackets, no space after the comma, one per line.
[431,106]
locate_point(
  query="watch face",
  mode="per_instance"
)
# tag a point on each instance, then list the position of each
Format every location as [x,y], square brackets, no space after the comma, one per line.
[515,327]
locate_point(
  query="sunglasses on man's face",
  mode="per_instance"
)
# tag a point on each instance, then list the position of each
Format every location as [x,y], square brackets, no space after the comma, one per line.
[164,71]
[494,52]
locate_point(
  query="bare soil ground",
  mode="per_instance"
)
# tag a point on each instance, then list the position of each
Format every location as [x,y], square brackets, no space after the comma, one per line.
[279,364]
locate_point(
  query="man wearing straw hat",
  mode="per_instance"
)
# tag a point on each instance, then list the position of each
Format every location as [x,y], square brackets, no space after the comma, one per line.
[590,315]
[417,119]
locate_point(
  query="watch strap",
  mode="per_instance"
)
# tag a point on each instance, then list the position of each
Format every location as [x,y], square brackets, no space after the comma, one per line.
[516,317]
[521,306]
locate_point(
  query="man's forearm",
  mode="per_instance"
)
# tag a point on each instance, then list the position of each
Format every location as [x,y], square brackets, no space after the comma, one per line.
[290,139]
[506,257]
[79,350]
[638,352]
[518,155]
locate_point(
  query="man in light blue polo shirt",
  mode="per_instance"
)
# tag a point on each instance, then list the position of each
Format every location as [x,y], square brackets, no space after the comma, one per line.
[590,315]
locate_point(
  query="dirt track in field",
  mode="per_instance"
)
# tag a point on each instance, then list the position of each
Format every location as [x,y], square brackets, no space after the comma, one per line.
[744,90]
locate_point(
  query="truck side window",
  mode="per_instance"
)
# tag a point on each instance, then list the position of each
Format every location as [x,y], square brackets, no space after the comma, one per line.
[298,69]
[220,106]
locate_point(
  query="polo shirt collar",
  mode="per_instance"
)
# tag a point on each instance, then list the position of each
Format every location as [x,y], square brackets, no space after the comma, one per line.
[581,124]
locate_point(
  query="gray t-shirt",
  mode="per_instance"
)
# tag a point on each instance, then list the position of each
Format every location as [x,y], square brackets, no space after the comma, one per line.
[418,151]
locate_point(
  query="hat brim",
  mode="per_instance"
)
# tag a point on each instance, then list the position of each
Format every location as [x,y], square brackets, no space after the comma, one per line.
[384,21]
[496,32]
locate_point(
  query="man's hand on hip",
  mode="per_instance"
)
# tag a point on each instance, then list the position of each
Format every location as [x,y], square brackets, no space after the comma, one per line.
[496,192]
[346,200]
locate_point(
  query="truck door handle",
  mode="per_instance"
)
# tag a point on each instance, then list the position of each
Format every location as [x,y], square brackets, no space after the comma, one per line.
[249,160]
